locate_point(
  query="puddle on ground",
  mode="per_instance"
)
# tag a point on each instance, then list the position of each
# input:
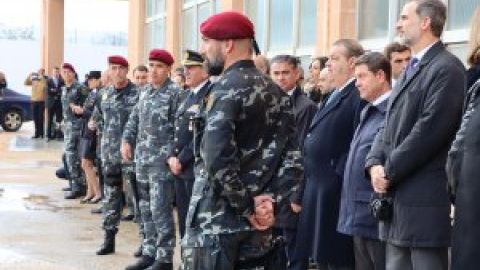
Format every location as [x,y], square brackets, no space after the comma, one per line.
[33,164]
[25,143]
[17,200]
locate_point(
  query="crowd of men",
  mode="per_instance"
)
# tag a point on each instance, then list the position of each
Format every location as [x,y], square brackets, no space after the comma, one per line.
[269,170]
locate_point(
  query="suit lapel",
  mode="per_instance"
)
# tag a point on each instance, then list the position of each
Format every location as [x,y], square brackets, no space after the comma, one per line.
[406,80]
[332,105]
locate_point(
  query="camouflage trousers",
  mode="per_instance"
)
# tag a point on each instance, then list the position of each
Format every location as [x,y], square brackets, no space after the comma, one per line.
[72,141]
[224,251]
[132,195]
[155,194]
[113,202]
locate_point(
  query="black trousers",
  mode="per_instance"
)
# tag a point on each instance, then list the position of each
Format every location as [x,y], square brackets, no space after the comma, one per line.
[183,193]
[55,111]
[38,115]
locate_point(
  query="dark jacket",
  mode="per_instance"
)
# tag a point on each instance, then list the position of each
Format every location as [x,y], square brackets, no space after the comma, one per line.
[473,74]
[182,146]
[424,113]
[325,153]
[54,91]
[355,218]
[466,235]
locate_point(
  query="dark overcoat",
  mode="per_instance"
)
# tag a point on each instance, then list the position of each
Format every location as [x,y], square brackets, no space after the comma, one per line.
[325,153]
[423,116]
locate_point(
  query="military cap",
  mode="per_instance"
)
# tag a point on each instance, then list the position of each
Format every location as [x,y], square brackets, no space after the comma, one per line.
[161,55]
[118,60]
[94,74]
[192,58]
[68,66]
[227,25]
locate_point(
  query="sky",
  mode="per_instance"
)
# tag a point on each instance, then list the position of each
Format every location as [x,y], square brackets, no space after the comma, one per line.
[81,14]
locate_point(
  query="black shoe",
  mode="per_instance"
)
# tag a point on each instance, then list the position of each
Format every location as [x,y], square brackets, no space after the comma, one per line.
[143,263]
[108,245]
[74,194]
[85,200]
[138,252]
[162,266]
[98,210]
[95,201]
[67,189]
[128,217]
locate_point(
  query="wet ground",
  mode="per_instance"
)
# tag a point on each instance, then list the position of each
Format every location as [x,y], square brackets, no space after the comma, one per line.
[38,228]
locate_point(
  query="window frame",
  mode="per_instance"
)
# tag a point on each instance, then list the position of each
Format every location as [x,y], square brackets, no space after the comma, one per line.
[456,36]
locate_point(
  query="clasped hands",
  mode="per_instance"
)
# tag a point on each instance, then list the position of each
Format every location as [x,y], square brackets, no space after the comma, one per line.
[263,216]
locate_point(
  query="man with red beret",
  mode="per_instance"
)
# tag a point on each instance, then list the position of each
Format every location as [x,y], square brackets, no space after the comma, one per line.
[73,95]
[116,103]
[150,129]
[249,157]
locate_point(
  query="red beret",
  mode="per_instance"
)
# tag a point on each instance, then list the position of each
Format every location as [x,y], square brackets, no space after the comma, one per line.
[118,60]
[162,56]
[227,25]
[68,66]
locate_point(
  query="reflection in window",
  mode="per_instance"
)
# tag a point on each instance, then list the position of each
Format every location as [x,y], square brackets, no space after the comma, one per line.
[308,23]
[373,19]
[460,13]
[281,25]
[188,29]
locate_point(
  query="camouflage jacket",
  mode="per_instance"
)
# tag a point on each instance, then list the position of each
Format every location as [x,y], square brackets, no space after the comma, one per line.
[150,126]
[115,106]
[248,148]
[75,94]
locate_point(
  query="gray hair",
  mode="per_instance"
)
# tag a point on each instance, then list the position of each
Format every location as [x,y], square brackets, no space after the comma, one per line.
[436,11]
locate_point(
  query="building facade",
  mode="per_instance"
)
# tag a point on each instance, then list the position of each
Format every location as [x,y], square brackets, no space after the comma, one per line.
[305,28]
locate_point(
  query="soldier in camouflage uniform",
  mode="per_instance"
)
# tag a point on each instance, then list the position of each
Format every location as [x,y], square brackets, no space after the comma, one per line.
[249,155]
[116,103]
[150,128]
[180,156]
[73,94]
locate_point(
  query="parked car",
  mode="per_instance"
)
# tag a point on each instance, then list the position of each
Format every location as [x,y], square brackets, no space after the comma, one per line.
[15,108]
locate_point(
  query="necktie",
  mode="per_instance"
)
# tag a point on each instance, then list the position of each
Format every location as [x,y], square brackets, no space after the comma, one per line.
[411,66]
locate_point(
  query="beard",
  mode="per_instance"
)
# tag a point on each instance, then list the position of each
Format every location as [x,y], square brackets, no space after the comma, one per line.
[215,66]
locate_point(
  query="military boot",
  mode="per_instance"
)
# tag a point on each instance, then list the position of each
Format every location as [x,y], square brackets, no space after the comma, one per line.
[158,265]
[108,245]
[143,263]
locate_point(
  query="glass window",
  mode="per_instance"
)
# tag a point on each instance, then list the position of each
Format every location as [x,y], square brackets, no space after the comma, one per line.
[217,6]
[186,2]
[308,23]
[159,33]
[373,19]
[255,10]
[203,12]
[189,27]
[149,36]
[159,6]
[149,8]
[281,25]
[460,13]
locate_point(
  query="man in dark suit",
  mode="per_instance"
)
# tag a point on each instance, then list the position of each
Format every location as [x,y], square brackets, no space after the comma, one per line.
[284,72]
[407,159]
[181,152]
[54,104]
[325,153]
[373,75]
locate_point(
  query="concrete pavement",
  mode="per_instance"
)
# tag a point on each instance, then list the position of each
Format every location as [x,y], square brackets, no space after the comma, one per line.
[38,228]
